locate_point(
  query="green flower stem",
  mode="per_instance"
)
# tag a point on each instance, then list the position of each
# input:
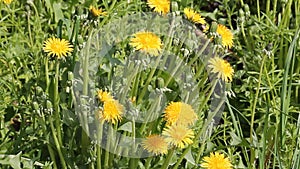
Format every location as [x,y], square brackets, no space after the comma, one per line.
[214,83]
[47,74]
[99,139]
[56,103]
[52,155]
[143,92]
[107,154]
[133,161]
[205,127]
[148,162]
[252,151]
[258,9]
[84,136]
[50,149]
[168,159]
[182,157]
[57,145]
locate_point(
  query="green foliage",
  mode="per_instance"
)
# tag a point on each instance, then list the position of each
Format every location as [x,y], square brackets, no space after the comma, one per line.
[39,127]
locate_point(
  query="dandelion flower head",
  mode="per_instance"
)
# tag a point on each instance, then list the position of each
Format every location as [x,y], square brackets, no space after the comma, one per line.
[7,2]
[155,144]
[104,96]
[147,42]
[227,36]
[216,161]
[178,135]
[112,111]
[160,6]
[97,12]
[180,113]
[57,47]
[193,16]
[222,68]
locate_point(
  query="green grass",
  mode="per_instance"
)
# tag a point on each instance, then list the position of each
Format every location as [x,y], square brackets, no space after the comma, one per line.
[43,126]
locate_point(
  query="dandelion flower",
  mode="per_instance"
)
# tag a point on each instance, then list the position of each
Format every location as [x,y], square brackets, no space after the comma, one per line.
[160,6]
[180,113]
[97,12]
[147,42]
[216,161]
[155,144]
[104,96]
[222,68]
[227,36]
[194,16]
[7,2]
[112,111]
[178,135]
[57,47]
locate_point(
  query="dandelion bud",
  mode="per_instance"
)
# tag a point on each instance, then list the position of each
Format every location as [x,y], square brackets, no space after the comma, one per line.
[174,6]
[39,90]
[247,10]
[160,82]
[70,76]
[35,105]
[241,13]
[213,27]
[49,105]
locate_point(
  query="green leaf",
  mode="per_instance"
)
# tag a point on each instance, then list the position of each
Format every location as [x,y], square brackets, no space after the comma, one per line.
[126,127]
[189,157]
[235,139]
[57,11]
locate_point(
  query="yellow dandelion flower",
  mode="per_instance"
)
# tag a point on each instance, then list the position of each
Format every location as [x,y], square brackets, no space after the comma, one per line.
[227,36]
[155,144]
[147,42]
[112,111]
[180,113]
[97,12]
[193,16]
[104,96]
[7,2]
[178,135]
[160,6]
[57,47]
[222,68]
[216,161]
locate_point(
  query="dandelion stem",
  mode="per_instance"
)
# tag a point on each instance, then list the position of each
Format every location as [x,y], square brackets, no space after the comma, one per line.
[252,151]
[99,139]
[182,156]
[56,102]
[47,75]
[167,161]
[58,146]
[148,162]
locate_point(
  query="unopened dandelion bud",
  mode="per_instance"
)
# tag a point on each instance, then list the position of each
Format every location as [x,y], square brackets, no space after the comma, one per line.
[160,82]
[174,6]
[80,39]
[70,76]
[241,13]
[49,105]
[35,105]
[213,27]
[247,10]
[39,90]
[283,2]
